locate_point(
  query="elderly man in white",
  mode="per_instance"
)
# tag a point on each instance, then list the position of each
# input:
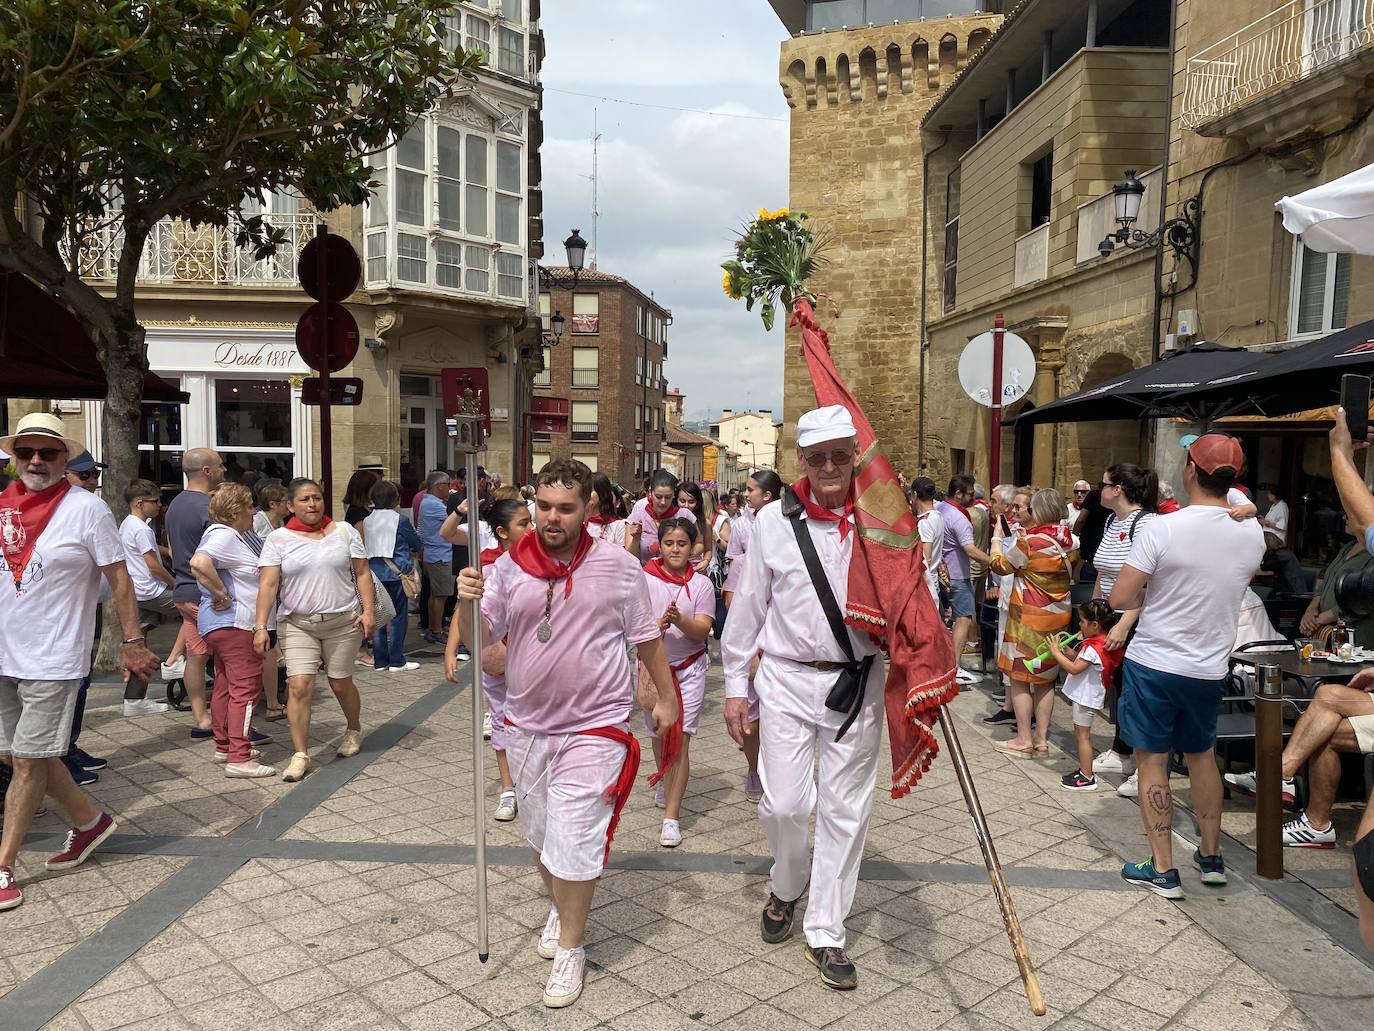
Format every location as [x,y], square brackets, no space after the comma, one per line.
[779,631]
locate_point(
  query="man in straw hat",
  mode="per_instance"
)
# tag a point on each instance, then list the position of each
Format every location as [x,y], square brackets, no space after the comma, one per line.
[56,540]
[820,686]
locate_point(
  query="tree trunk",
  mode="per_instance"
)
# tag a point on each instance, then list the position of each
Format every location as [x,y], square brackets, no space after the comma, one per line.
[125,360]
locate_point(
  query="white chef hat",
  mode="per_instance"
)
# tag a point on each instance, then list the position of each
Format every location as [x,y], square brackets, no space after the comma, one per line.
[832,422]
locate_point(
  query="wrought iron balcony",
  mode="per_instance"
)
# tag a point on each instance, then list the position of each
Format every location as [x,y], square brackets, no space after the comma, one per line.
[1297,41]
[178,252]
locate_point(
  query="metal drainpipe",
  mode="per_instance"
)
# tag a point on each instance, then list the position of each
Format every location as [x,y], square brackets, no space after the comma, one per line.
[923,343]
[1155,337]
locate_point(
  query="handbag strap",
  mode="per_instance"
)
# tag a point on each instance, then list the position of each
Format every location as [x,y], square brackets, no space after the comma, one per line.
[829,605]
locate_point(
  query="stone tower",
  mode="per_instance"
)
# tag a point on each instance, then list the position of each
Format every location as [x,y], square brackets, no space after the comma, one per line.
[857,98]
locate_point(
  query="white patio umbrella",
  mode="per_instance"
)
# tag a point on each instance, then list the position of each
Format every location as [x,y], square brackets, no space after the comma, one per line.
[1335,217]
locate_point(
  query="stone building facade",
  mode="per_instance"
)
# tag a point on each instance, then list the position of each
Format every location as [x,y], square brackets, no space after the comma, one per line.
[610,366]
[857,96]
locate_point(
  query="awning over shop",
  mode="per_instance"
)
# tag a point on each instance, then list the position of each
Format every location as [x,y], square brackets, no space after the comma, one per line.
[1148,392]
[44,352]
[1300,378]
[1335,217]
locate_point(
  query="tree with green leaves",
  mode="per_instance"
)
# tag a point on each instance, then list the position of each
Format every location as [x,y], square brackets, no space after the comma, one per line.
[134,111]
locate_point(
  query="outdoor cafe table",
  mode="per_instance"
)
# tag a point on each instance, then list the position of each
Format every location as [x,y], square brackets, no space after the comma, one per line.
[1310,671]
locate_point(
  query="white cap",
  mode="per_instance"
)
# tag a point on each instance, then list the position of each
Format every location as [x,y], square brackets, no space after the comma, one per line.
[821,424]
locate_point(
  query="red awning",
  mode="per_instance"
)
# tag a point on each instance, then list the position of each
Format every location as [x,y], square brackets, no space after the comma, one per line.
[44,352]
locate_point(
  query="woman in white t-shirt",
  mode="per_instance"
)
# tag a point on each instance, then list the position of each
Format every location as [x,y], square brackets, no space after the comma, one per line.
[1132,495]
[1275,521]
[226,567]
[316,572]
[607,519]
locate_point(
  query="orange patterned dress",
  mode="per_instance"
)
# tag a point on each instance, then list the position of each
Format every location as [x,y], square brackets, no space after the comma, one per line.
[1039,604]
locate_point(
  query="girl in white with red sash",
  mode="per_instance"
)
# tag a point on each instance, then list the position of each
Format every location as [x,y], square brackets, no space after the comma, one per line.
[685,604]
[660,504]
[509,521]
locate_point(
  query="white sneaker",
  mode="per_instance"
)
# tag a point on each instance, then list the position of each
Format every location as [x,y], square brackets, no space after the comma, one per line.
[1113,762]
[967,677]
[671,835]
[223,757]
[660,797]
[406,668]
[249,770]
[548,937]
[175,670]
[1130,787]
[507,807]
[486,727]
[1246,783]
[564,986]
[1301,834]
[144,707]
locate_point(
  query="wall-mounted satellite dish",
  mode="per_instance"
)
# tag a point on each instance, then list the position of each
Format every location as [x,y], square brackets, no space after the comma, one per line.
[975,369]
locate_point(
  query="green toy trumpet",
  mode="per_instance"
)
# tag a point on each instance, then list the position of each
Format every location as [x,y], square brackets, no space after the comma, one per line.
[1065,640]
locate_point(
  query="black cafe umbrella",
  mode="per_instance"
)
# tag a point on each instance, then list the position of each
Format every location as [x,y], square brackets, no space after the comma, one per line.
[1151,391]
[1302,377]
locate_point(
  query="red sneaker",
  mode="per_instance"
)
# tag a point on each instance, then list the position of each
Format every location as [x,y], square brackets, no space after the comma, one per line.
[10,895]
[80,844]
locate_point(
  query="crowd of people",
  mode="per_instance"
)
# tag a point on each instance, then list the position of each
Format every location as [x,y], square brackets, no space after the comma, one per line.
[597,603]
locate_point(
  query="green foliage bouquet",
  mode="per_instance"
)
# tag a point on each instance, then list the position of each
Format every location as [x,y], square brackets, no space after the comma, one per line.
[775,256]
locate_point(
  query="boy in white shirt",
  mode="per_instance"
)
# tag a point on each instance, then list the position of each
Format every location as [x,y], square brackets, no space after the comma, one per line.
[152,582]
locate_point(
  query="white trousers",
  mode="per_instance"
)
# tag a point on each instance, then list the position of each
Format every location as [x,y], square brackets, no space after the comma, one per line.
[794,726]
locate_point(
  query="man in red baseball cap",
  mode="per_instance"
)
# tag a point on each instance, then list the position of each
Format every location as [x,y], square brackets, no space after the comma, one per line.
[1189,571]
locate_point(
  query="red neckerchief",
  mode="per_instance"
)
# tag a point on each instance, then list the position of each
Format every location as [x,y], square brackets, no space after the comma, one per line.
[670,514]
[980,503]
[802,488]
[295,524]
[1111,658]
[954,504]
[1167,505]
[656,568]
[1055,531]
[531,556]
[24,515]
[599,520]
[490,555]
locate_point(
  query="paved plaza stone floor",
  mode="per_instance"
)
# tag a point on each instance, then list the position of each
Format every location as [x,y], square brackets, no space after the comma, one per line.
[346,901]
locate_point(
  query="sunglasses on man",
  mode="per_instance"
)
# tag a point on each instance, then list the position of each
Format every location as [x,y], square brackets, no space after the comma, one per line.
[837,458]
[46,454]
[89,474]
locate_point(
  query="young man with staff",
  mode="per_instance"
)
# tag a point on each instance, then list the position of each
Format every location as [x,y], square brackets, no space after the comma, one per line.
[568,606]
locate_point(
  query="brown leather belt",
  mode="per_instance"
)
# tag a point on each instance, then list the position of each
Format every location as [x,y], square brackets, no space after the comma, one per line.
[823,665]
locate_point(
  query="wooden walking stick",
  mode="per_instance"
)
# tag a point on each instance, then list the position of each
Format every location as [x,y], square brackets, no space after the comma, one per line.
[1000,888]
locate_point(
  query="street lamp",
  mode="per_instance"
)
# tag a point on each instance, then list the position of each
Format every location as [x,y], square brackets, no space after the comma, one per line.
[1182,234]
[753,455]
[577,260]
[556,325]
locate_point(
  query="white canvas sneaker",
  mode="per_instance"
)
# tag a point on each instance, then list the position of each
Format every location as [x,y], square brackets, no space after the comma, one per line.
[506,808]
[564,986]
[1113,762]
[548,937]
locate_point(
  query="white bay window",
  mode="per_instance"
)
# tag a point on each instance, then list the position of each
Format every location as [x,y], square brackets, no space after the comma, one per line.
[449,210]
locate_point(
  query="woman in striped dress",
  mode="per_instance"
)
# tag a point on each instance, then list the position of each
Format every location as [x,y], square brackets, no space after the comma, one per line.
[1039,561]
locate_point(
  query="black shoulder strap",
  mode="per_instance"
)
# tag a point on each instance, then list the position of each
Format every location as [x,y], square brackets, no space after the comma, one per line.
[829,605]
[1135,519]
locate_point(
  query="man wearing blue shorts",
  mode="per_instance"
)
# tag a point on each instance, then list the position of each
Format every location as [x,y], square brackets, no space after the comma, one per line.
[1189,571]
[956,550]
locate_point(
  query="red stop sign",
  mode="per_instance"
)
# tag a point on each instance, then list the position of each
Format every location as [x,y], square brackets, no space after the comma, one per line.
[341,345]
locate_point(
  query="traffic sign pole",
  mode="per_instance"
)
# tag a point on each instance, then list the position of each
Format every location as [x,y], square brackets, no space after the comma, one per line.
[999,329]
[326,409]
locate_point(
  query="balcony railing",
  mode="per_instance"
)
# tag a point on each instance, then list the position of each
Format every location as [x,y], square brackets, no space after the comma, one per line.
[178,252]
[1032,256]
[586,377]
[584,431]
[1297,40]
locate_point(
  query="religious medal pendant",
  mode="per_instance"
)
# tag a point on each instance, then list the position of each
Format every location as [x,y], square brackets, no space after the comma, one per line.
[544,632]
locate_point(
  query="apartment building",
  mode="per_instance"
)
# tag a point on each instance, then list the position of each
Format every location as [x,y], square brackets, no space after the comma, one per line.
[448,243]
[609,365]
[753,436]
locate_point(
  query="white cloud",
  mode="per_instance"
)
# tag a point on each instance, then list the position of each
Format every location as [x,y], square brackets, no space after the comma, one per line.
[674,185]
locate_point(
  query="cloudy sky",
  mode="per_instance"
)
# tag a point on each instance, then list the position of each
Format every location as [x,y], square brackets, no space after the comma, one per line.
[674,183]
